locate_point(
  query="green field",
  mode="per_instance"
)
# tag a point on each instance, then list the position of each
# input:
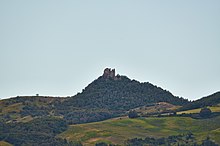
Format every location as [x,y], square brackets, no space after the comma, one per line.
[117,130]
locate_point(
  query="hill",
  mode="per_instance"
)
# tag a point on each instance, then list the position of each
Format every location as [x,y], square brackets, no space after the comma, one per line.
[111,96]
[39,120]
[211,100]
[26,108]
[108,96]
[156,109]
[118,130]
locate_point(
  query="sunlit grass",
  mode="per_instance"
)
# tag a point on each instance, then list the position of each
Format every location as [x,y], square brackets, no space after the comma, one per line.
[213,109]
[3,143]
[118,130]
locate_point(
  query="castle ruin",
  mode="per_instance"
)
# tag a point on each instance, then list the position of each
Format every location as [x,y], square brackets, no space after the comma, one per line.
[110,73]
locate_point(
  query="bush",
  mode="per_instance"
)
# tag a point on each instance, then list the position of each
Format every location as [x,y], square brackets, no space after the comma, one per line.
[101,144]
[208,142]
[132,114]
[205,112]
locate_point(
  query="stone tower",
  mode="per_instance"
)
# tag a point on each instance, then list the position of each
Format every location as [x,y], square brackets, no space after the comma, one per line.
[108,73]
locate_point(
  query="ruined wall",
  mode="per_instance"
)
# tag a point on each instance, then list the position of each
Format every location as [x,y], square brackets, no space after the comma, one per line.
[110,73]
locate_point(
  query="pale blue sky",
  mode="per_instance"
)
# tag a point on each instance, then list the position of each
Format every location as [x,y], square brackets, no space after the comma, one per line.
[57,48]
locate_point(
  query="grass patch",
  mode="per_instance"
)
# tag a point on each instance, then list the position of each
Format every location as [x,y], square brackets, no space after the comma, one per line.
[213,109]
[3,143]
[119,130]
[25,119]
[11,108]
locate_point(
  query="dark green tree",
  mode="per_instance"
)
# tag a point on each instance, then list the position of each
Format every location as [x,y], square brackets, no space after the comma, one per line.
[101,144]
[205,112]
[208,142]
[132,114]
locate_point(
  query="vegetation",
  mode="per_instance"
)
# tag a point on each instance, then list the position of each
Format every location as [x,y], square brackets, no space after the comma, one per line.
[101,144]
[107,98]
[191,111]
[177,140]
[132,114]
[103,99]
[205,112]
[38,120]
[201,113]
[3,143]
[118,130]
[40,131]
[210,100]
[156,109]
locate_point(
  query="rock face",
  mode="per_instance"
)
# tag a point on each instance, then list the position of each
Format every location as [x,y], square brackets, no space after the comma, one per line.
[110,74]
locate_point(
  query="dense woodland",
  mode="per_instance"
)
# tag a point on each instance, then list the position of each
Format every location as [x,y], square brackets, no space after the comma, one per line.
[40,131]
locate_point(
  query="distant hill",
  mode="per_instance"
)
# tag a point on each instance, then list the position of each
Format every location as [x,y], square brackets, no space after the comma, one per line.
[112,95]
[118,130]
[108,96]
[210,100]
[38,120]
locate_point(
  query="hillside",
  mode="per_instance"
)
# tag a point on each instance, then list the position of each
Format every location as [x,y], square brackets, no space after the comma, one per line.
[210,100]
[60,121]
[24,109]
[113,95]
[156,109]
[108,96]
[213,108]
[118,130]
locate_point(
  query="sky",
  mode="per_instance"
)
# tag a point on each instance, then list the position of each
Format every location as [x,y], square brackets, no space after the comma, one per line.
[51,47]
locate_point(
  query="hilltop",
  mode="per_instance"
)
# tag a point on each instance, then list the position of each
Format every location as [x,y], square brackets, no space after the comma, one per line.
[44,120]
[108,96]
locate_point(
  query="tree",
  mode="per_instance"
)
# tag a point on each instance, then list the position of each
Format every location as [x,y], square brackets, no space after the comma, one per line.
[75,143]
[205,112]
[132,114]
[208,142]
[101,144]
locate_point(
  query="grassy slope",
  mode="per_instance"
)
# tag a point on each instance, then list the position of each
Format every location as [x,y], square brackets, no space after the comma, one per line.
[213,109]
[3,143]
[119,129]
[159,107]
[13,110]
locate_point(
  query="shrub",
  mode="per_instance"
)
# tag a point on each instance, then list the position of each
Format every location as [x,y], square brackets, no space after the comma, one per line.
[101,144]
[205,112]
[132,114]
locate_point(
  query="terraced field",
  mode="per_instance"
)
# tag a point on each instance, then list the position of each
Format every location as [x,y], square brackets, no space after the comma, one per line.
[117,130]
